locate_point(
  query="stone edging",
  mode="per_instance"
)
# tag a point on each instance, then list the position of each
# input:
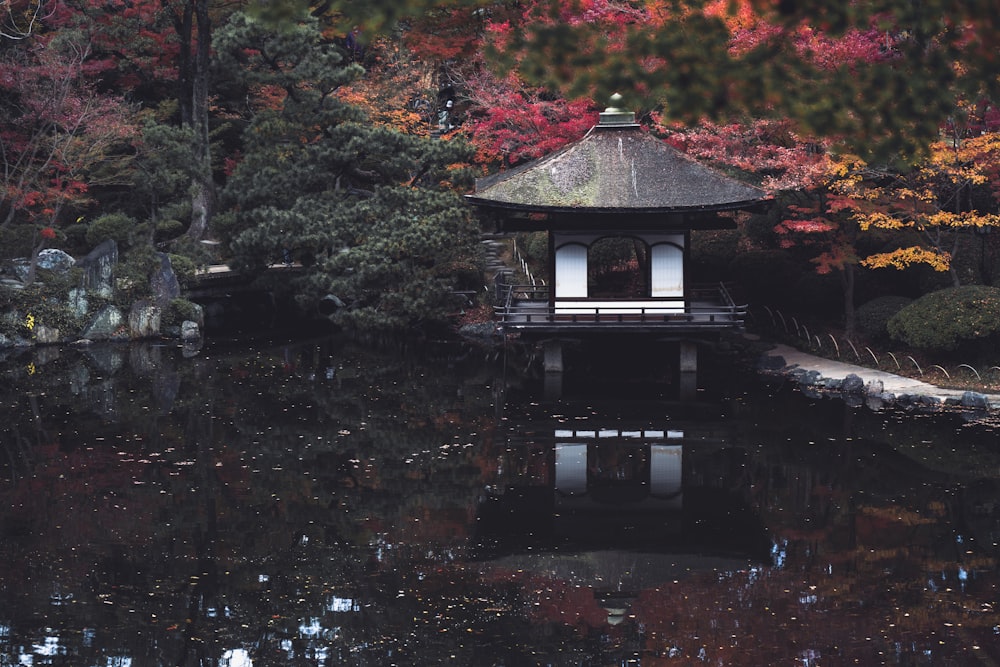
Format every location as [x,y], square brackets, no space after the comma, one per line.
[857,385]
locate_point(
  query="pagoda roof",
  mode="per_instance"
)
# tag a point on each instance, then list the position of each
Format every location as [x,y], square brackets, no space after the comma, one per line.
[615,168]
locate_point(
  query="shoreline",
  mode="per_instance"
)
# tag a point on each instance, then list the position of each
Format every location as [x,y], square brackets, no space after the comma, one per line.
[859,385]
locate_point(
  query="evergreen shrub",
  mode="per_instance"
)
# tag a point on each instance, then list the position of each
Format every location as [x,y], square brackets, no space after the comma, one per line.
[534,246]
[132,274]
[16,241]
[179,310]
[169,229]
[947,319]
[76,239]
[184,268]
[117,226]
[712,251]
[872,318]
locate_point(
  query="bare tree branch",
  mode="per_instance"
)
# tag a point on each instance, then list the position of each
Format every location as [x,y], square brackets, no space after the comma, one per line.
[19,21]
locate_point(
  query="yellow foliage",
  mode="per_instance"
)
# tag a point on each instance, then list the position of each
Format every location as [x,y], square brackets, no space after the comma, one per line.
[880,220]
[902,258]
[965,220]
[924,194]
[968,162]
[845,166]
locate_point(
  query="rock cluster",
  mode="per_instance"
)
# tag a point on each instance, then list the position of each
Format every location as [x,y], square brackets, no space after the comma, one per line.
[855,391]
[91,302]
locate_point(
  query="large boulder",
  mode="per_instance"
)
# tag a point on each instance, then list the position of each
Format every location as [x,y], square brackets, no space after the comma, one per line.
[163,282]
[973,399]
[49,259]
[190,331]
[144,319]
[853,385]
[104,325]
[46,335]
[77,302]
[53,259]
[99,269]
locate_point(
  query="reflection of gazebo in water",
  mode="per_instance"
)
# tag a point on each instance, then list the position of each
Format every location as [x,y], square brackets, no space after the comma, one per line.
[618,206]
[619,505]
[621,486]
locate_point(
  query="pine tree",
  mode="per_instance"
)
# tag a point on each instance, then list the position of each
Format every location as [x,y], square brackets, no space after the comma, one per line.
[370,213]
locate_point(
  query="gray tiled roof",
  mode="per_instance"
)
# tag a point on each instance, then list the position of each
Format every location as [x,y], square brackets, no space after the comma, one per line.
[615,168]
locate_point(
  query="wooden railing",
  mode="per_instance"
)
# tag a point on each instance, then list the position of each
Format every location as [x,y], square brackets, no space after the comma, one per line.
[706,307]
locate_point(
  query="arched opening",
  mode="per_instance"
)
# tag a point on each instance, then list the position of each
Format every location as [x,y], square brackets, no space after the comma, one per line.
[617,268]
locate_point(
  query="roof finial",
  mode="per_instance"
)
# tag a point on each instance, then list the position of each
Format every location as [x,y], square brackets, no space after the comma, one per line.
[614,115]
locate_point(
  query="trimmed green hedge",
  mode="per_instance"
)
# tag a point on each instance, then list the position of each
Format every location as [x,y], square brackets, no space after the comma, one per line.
[949,318]
[872,318]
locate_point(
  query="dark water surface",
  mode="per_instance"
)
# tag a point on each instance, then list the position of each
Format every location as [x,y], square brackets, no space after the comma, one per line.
[325,503]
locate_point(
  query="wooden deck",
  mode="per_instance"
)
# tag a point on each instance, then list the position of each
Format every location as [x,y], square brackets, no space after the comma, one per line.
[708,308]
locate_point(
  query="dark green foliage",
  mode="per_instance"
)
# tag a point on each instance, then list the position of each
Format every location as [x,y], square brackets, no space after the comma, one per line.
[611,252]
[16,241]
[184,268]
[117,226]
[164,171]
[712,251]
[180,310]
[187,255]
[132,274]
[534,247]
[872,318]
[76,239]
[368,212]
[169,229]
[949,318]
[759,228]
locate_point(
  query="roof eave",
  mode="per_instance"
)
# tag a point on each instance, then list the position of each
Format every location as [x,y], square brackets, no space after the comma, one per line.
[745,205]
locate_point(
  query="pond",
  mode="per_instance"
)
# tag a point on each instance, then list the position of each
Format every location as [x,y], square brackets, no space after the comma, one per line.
[329,503]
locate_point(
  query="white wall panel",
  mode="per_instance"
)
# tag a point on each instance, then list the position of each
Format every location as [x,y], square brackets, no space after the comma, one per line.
[667,271]
[571,271]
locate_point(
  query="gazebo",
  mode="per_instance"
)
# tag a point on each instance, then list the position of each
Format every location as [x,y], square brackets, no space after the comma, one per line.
[616,183]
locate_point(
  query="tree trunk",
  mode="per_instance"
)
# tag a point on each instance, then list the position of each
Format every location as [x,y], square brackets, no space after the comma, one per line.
[956,280]
[194,26]
[203,198]
[29,278]
[847,283]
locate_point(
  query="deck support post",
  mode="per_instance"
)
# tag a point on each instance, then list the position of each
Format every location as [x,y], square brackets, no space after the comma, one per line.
[552,359]
[688,370]
[688,357]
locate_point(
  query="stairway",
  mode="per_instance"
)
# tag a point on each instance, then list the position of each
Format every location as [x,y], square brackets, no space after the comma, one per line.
[494,247]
